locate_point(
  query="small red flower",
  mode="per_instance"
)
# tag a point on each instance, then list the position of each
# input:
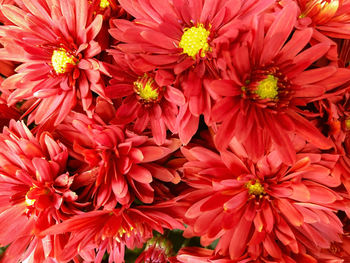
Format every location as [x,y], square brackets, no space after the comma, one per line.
[149,99]
[157,250]
[54,41]
[263,208]
[117,164]
[330,17]
[112,230]
[265,84]
[34,193]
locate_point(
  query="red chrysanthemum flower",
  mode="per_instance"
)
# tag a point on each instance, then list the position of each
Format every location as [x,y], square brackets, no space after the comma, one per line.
[263,208]
[112,230]
[149,99]
[115,163]
[330,17]
[157,250]
[265,86]
[334,121]
[54,41]
[188,34]
[34,193]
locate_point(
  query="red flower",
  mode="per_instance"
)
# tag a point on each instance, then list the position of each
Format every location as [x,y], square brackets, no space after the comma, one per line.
[157,250]
[149,99]
[116,163]
[265,83]
[187,32]
[112,230]
[34,192]
[54,41]
[263,208]
[330,17]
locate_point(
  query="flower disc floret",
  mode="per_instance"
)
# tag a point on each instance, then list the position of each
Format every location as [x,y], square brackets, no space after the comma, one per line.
[195,40]
[60,60]
[255,188]
[29,202]
[104,4]
[267,88]
[146,89]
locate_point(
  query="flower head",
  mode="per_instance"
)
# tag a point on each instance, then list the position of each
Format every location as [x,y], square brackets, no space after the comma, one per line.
[157,250]
[117,163]
[113,230]
[55,44]
[35,191]
[150,99]
[261,93]
[328,17]
[263,208]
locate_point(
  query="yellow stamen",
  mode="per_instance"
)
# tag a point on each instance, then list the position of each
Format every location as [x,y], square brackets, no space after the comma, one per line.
[60,59]
[255,189]
[144,87]
[347,124]
[267,88]
[195,39]
[29,202]
[104,4]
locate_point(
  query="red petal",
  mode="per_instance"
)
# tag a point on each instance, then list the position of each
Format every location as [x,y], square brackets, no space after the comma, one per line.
[140,174]
[290,212]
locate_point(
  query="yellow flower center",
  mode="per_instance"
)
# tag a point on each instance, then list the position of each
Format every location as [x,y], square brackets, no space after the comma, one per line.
[267,88]
[104,4]
[255,189]
[347,124]
[144,87]
[60,59]
[195,39]
[29,202]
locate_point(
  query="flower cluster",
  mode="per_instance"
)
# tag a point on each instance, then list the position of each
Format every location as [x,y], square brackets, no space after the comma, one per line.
[175,131]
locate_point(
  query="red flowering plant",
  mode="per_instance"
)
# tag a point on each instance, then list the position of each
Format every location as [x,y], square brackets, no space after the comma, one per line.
[265,83]
[54,42]
[113,230]
[35,193]
[115,163]
[149,98]
[265,207]
[174,131]
[330,17]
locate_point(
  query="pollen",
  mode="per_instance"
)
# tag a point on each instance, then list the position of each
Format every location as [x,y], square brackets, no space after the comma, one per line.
[347,124]
[255,189]
[146,89]
[104,4]
[195,40]
[60,60]
[29,202]
[267,88]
